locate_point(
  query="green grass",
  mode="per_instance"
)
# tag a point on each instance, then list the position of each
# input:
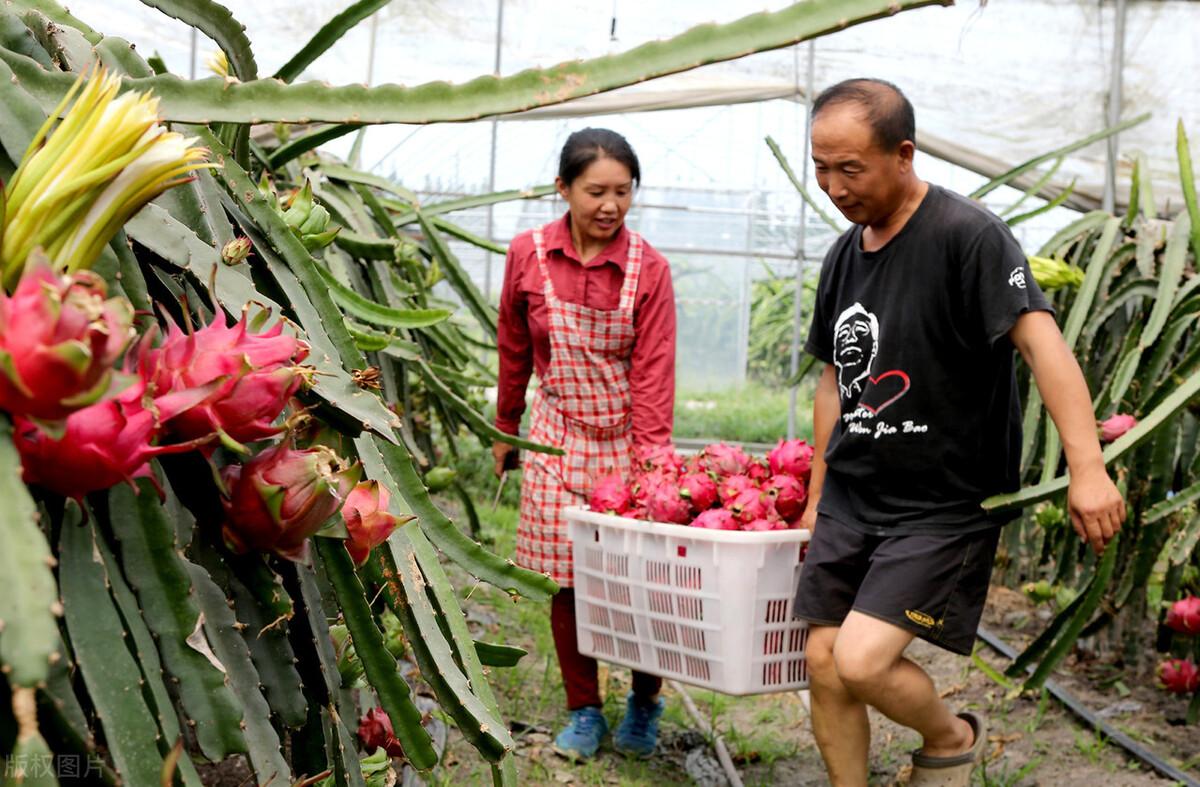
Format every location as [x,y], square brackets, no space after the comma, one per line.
[751,413]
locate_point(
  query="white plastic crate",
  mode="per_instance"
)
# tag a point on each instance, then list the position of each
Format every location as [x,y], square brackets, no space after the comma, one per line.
[709,608]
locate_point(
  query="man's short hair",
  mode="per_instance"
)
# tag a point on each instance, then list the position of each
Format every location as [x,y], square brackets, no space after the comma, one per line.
[888,110]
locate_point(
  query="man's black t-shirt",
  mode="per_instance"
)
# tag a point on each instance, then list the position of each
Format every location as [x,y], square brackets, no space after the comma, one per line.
[918,331]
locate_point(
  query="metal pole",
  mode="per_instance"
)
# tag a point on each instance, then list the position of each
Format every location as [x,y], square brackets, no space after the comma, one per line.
[356,148]
[801,255]
[192,60]
[491,186]
[1109,200]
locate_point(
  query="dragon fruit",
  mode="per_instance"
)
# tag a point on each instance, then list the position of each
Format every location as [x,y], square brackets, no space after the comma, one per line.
[666,504]
[101,445]
[757,472]
[793,457]
[716,519]
[699,489]
[764,525]
[749,505]
[1115,426]
[663,458]
[789,495]
[1179,676]
[282,496]
[59,339]
[733,486]
[368,522]
[611,495]
[725,460]
[257,374]
[647,484]
[1184,615]
[375,731]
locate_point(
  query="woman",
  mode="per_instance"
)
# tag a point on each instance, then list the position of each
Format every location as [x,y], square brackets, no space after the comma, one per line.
[589,306]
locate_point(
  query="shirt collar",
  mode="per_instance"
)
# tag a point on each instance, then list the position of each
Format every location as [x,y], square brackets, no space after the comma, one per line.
[558,236]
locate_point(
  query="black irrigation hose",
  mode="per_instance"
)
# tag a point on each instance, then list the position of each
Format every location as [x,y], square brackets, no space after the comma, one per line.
[1075,706]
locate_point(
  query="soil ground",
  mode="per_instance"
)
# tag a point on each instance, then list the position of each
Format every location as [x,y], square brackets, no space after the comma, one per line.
[1032,740]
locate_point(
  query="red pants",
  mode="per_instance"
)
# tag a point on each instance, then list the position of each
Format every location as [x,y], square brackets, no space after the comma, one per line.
[579,673]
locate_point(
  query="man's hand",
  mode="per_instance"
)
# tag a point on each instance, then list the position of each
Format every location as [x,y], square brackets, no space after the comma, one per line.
[504,456]
[1096,507]
[808,520]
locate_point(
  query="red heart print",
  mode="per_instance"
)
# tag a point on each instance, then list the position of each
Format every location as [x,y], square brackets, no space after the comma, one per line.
[897,381]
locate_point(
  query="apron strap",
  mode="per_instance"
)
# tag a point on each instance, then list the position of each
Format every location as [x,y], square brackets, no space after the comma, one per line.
[539,246]
[633,270]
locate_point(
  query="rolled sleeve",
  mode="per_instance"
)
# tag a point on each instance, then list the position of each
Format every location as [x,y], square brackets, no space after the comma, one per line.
[515,347]
[652,370]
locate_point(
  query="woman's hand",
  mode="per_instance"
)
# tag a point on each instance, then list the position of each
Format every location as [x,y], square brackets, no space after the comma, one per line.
[504,456]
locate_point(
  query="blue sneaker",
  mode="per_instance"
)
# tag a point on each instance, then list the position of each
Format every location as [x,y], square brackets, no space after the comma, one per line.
[581,738]
[637,735]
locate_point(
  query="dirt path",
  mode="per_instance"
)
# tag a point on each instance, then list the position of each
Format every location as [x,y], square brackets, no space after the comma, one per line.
[1031,742]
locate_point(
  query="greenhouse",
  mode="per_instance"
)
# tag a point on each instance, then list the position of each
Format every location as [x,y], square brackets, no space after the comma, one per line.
[443,392]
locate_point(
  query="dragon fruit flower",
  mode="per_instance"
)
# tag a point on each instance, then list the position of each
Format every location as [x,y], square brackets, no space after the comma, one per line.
[699,489]
[256,374]
[282,496]
[79,183]
[1184,615]
[59,339]
[368,522]
[1115,426]
[375,731]
[733,486]
[1179,676]
[725,460]
[611,495]
[789,495]
[791,457]
[236,251]
[101,445]
[666,504]
[716,519]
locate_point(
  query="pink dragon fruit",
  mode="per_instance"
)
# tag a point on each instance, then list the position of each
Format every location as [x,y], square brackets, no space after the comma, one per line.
[793,457]
[764,525]
[757,472]
[716,519]
[699,489]
[282,496]
[645,485]
[666,504]
[789,495]
[59,339]
[1115,426]
[1184,615]
[368,522]
[751,504]
[375,731]
[662,458]
[723,460]
[611,495]
[1179,676]
[101,445]
[258,372]
[733,486]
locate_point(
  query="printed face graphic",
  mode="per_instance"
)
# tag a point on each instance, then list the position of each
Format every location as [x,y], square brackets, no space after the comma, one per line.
[855,339]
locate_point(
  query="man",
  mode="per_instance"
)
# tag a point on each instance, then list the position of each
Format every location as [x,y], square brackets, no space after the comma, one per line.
[916,420]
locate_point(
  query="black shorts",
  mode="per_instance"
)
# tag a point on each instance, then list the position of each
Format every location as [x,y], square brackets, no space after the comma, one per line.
[934,586]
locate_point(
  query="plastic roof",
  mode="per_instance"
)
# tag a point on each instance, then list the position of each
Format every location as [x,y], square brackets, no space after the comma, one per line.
[1002,80]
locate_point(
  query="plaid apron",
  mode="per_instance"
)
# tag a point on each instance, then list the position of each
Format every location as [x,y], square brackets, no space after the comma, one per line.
[584,405]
